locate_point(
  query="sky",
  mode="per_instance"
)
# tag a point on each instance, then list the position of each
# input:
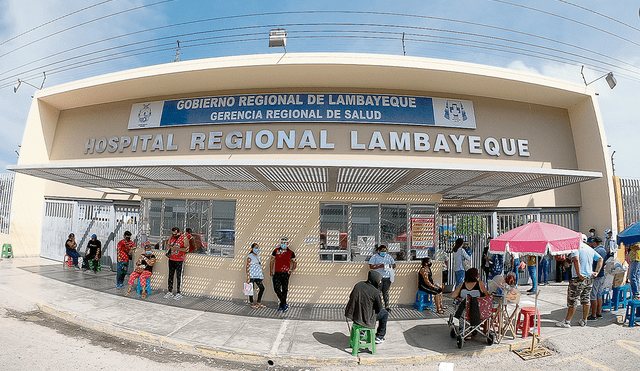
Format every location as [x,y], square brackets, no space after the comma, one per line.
[75,39]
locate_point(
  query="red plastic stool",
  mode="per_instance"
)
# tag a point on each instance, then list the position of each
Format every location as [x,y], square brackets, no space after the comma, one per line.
[525,320]
[67,261]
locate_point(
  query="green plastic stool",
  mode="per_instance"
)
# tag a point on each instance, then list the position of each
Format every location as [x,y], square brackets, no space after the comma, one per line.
[369,340]
[7,251]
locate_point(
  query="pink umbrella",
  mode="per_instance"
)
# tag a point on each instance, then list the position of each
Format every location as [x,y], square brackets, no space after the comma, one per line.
[536,239]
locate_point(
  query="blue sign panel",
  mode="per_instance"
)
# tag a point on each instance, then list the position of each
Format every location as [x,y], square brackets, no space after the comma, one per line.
[304,108]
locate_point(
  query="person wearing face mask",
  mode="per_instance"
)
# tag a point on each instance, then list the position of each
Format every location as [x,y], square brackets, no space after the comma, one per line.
[178,245]
[255,275]
[384,264]
[144,270]
[125,248]
[426,284]
[281,265]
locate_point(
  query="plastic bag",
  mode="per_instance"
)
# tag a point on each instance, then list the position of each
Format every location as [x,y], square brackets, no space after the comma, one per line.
[248,289]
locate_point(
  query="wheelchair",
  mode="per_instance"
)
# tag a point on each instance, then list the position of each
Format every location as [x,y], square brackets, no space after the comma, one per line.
[465,328]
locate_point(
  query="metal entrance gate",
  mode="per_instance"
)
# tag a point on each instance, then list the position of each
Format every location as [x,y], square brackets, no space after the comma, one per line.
[475,228]
[106,220]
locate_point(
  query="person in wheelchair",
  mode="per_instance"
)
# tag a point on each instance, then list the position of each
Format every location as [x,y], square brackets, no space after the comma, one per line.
[92,254]
[472,287]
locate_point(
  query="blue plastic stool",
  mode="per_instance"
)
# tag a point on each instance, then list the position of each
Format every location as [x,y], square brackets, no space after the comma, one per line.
[633,312]
[148,285]
[423,300]
[606,300]
[367,341]
[620,297]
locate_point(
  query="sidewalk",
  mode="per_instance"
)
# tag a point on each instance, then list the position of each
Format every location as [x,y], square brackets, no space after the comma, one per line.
[245,338]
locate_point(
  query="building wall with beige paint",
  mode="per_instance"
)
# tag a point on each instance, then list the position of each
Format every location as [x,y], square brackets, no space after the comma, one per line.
[561,121]
[264,217]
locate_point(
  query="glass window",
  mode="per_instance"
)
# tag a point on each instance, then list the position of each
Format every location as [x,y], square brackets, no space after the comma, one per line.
[155,220]
[198,222]
[334,228]
[212,223]
[174,213]
[350,232]
[393,230]
[223,228]
[364,231]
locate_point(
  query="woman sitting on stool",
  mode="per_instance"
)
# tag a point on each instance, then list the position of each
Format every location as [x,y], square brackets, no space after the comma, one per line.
[426,284]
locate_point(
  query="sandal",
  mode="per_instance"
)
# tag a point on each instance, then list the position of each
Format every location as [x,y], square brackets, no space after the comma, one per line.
[253,306]
[260,306]
[441,312]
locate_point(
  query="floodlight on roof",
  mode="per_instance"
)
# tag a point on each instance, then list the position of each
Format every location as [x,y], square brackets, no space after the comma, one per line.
[278,38]
[608,77]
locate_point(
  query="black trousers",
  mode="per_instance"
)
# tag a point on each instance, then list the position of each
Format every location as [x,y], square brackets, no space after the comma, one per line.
[175,267]
[257,282]
[281,286]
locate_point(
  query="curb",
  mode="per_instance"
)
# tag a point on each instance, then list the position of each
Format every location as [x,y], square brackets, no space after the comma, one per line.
[256,358]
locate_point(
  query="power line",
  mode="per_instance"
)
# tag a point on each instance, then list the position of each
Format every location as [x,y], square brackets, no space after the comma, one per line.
[319,24]
[54,20]
[169,47]
[600,14]
[316,24]
[84,23]
[568,19]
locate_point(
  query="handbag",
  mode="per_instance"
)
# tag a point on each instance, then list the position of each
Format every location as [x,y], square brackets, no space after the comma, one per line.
[168,253]
[248,289]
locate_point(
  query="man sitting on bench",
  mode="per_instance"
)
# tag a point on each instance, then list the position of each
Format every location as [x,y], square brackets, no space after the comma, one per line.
[143,270]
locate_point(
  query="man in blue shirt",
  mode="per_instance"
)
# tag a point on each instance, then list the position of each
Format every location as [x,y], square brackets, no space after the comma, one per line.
[598,282]
[580,285]
[384,264]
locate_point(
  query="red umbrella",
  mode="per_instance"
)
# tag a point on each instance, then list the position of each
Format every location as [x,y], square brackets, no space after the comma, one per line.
[537,239]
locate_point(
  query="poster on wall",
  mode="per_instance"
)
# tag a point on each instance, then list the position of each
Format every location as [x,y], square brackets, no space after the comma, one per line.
[423,232]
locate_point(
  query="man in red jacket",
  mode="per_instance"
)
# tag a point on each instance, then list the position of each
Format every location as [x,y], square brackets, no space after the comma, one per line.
[178,245]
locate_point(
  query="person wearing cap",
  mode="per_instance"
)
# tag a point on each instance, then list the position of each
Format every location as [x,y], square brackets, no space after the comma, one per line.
[125,248]
[609,244]
[281,265]
[92,253]
[592,235]
[71,249]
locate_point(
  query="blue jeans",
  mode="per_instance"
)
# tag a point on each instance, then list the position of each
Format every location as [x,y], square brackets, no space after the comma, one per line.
[382,318]
[73,253]
[634,277]
[543,272]
[534,276]
[459,277]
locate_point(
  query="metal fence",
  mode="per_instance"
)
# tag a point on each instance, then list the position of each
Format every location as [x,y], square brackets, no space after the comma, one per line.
[6,191]
[106,220]
[476,227]
[630,200]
